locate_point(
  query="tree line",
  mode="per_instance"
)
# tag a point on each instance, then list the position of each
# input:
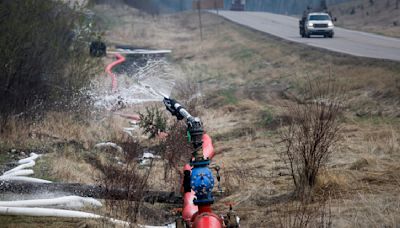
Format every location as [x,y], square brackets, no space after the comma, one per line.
[152,6]
[275,6]
[284,6]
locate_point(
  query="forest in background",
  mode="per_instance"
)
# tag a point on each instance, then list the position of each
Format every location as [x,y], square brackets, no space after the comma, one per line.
[276,6]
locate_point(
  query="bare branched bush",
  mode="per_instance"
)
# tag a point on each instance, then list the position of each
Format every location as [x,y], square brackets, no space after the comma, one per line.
[312,133]
[176,150]
[129,178]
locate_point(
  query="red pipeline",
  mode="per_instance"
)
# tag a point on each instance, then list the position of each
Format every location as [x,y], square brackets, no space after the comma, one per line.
[202,216]
[120,59]
[114,83]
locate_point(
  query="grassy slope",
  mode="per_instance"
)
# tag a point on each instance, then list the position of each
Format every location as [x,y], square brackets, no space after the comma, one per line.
[377,18]
[243,75]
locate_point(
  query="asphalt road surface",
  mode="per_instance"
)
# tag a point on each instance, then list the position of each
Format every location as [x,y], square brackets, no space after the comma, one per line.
[345,41]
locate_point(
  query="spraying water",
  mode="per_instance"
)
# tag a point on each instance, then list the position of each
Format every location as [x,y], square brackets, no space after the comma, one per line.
[138,82]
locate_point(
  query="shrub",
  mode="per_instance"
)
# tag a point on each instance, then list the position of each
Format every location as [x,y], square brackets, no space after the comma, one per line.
[125,175]
[175,149]
[43,54]
[153,121]
[311,134]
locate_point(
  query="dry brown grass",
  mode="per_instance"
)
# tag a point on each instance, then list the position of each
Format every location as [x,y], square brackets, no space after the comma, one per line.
[65,139]
[59,127]
[70,169]
[377,18]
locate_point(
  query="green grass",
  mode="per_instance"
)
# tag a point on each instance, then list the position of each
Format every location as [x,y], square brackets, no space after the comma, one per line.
[243,54]
[4,156]
[266,117]
[234,134]
[229,96]
[378,120]
[42,169]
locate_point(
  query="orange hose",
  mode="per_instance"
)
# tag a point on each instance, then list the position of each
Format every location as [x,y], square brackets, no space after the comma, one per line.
[120,59]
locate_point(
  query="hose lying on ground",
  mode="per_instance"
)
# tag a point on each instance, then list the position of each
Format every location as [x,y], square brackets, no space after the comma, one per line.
[109,144]
[24,179]
[51,212]
[32,157]
[30,164]
[21,172]
[68,201]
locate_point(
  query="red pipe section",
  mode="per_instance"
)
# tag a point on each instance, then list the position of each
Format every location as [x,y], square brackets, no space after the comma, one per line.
[189,209]
[130,116]
[120,59]
[208,148]
[202,216]
[207,220]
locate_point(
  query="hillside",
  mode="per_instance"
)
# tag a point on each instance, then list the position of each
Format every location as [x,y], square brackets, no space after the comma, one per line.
[275,6]
[284,6]
[381,17]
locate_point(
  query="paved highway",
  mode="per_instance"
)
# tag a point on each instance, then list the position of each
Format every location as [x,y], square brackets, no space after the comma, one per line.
[345,41]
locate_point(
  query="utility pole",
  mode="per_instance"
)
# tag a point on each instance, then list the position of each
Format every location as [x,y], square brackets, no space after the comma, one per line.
[200,24]
[216,6]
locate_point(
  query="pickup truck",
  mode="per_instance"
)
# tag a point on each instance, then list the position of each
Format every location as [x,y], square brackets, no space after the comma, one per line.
[316,24]
[238,5]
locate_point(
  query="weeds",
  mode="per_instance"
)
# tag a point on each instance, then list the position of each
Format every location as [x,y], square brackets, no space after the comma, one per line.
[301,214]
[128,176]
